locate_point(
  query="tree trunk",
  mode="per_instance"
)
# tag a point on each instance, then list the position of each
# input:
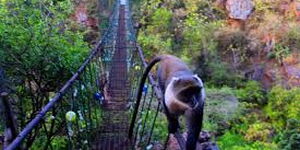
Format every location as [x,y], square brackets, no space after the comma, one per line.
[11,131]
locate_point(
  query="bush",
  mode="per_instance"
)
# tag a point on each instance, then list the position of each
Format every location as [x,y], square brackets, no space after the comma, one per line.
[198,36]
[233,141]
[283,105]
[279,52]
[39,51]
[221,104]
[246,115]
[259,131]
[236,46]
[156,38]
[290,138]
[230,140]
[252,92]
[292,38]
[219,74]
[57,143]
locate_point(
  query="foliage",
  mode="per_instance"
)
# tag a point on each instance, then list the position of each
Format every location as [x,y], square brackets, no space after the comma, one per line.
[197,32]
[251,92]
[160,131]
[236,46]
[279,52]
[57,143]
[259,131]
[247,133]
[263,6]
[245,117]
[154,43]
[290,137]
[156,37]
[277,125]
[283,105]
[160,20]
[198,37]
[292,37]
[39,50]
[36,32]
[235,141]
[229,140]
[220,74]
[165,31]
[221,104]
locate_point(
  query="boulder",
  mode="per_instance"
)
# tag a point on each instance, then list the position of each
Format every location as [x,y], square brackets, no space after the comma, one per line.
[239,9]
[204,142]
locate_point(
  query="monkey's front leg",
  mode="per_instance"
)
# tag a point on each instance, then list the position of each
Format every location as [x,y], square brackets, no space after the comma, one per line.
[194,124]
[173,123]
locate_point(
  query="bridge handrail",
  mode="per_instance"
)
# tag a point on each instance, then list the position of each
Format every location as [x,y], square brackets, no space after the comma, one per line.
[38,118]
[152,82]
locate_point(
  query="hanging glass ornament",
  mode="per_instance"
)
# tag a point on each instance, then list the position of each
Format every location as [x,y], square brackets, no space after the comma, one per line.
[75,92]
[71,116]
[137,67]
[145,89]
[99,97]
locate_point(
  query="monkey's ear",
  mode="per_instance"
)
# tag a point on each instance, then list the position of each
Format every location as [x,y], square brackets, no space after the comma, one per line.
[196,77]
[176,79]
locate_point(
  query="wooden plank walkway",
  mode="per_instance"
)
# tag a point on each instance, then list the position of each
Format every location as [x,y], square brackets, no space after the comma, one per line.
[113,134]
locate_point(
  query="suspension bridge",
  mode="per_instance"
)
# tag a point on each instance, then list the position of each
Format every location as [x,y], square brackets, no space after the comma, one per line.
[96,108]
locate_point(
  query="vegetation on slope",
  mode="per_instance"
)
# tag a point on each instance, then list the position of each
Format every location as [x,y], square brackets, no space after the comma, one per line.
[240,112]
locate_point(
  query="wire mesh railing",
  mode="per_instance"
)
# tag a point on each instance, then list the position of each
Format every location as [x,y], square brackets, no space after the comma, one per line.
[148,128]
[148,125]
[69,119]
[71,115]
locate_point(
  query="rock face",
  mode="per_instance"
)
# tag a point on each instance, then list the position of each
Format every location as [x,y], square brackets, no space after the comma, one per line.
[296,7]
[239,9]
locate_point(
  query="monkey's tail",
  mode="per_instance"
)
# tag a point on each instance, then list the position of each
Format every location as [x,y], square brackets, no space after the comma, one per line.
[140,90]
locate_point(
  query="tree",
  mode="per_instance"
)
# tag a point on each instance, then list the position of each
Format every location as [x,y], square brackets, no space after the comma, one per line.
[39,50]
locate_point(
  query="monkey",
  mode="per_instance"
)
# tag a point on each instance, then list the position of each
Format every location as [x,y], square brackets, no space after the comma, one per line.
[183,94]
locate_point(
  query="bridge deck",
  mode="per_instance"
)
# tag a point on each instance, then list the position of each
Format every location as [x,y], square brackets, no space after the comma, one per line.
[114,131]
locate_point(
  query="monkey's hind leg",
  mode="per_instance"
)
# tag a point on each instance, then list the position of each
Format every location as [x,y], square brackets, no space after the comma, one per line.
[173,125]
[194,124]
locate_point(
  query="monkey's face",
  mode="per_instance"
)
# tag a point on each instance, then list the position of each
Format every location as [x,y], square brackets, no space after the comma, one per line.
[188,89]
